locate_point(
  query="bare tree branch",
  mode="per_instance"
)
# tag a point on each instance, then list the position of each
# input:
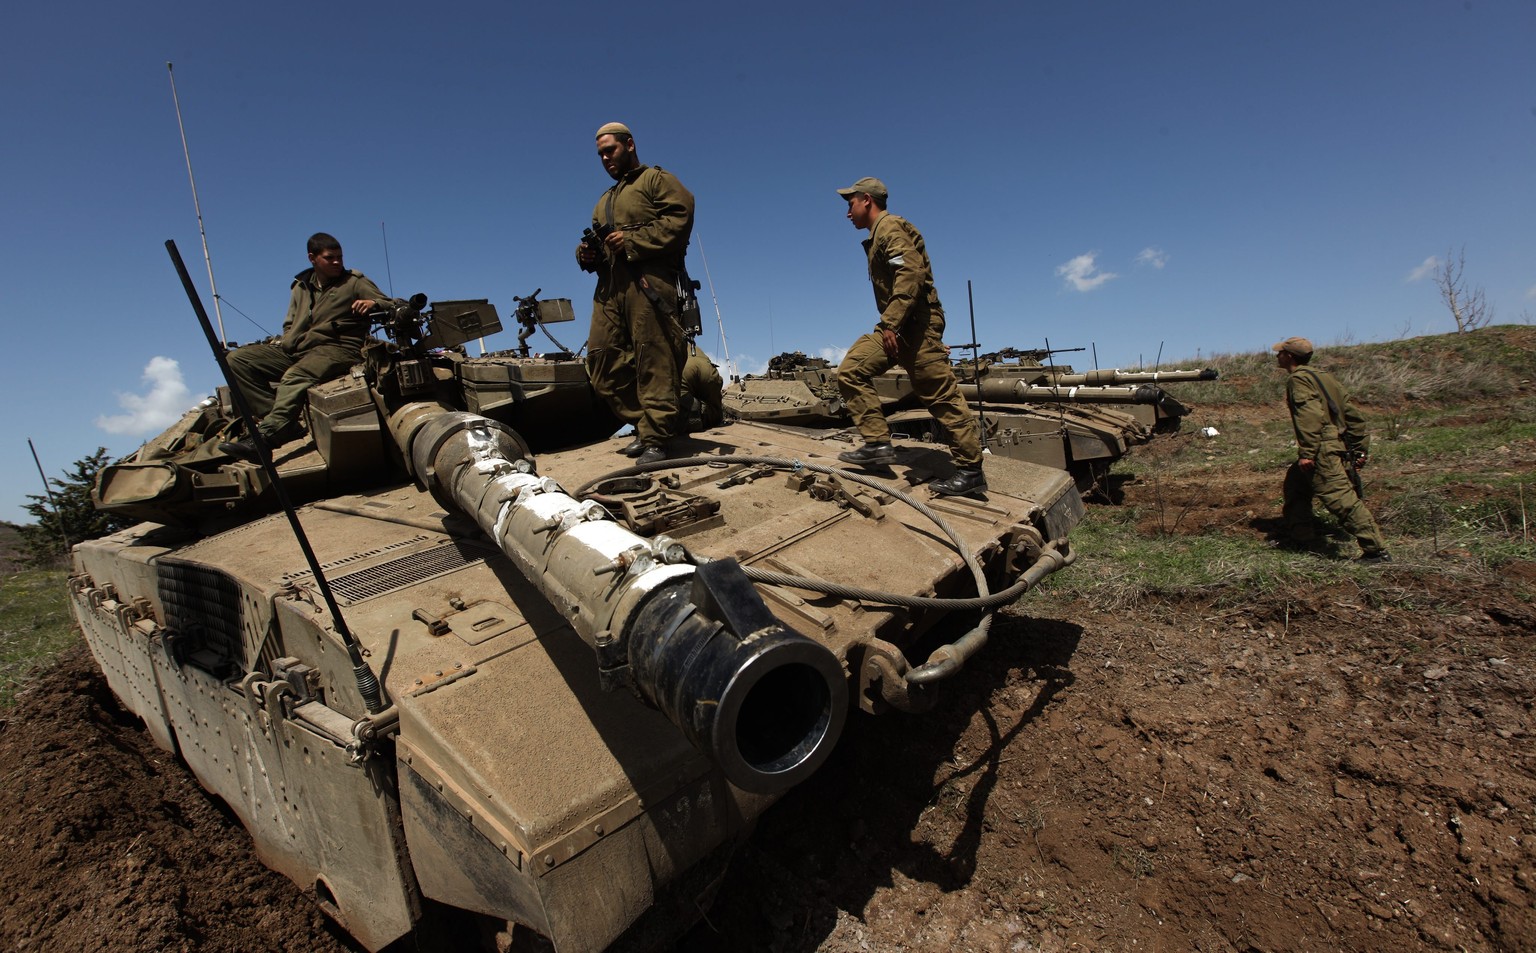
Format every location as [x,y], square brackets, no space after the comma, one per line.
[1469,308]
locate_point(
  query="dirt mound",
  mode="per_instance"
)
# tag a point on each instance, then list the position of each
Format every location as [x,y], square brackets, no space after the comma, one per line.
[108,843]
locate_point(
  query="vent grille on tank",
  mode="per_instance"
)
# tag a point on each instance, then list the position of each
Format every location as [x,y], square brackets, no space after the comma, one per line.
[203,606]
[408,570]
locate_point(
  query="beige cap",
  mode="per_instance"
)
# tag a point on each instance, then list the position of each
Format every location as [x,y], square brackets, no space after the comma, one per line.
[866,186]
[1300,347]
[612,129]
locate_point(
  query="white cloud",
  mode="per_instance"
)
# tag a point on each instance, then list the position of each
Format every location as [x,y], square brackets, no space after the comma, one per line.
[1155,257]
[833,355]
[1081,273]
[1424,270]
[167,399]
[1530,293]
[743,365]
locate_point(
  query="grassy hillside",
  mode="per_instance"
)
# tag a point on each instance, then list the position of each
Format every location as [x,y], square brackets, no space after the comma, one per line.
[35,625]
[1452,477]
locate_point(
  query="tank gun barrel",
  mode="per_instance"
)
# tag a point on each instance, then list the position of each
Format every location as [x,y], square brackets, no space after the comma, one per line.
[696,642]
[1112,376]
[1002,391]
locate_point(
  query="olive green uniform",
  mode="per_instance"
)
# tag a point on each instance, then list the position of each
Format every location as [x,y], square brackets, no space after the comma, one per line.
[321,340]
[1329,429]
[902,278]
[635,347]
[703,387]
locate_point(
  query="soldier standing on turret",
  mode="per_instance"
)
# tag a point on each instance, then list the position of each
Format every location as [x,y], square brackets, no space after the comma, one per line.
[635,348]
[910,333]
[1331,446]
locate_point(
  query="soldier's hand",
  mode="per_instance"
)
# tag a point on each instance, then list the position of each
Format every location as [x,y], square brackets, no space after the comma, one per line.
[585,255]
[1359,461]
[363,305]
[891,341]
[1306,464]
[615,242]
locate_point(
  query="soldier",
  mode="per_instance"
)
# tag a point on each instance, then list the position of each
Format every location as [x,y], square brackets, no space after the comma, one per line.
[323,335]
[635,348]
[1331,445]
[910,333]
[703,389]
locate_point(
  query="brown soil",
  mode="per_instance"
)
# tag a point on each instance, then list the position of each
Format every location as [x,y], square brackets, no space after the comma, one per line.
[1312,771]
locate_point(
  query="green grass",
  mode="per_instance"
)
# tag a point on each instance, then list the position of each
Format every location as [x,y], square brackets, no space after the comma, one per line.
[1452,479]
[35,625]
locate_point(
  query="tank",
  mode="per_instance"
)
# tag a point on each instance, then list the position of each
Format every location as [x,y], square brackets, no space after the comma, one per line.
[1080,423]
[455,665]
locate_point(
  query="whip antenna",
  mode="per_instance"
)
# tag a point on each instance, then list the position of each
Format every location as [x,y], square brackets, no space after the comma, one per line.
[58,514]
[981,407]
[719,321]
[367,682]
[388,272]
[218,315]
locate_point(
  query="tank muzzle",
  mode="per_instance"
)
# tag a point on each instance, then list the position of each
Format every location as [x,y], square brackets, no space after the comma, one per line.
[766,703]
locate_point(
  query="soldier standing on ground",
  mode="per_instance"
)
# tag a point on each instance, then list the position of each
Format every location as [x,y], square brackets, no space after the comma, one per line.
[1331,445]
[635,348]
[910,333]
[323,335]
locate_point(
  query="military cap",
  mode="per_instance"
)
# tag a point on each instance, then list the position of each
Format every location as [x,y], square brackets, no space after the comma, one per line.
[1300,347]
[866,186]
[612,129]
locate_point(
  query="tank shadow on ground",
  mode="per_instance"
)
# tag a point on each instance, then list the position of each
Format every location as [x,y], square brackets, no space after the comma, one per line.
[825,850]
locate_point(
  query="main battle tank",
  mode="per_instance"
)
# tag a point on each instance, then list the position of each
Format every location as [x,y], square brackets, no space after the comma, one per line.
[448,656]
[1081,423]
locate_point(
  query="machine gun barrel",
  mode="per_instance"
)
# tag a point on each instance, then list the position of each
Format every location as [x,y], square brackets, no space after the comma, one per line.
[696,642]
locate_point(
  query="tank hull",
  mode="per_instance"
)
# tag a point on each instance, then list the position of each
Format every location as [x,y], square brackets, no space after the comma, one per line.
[507,778]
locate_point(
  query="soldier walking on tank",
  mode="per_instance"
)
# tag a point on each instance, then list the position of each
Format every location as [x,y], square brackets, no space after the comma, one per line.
[636,345]
[910,333]
[1331,447]
[323,335]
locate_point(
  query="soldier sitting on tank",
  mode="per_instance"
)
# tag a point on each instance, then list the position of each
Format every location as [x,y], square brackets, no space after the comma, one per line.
[323,335]
[702,389]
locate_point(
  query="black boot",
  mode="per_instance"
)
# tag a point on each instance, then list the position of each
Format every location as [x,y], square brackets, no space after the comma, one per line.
[966,480]
[634,448]
[870,455]
[651,453]
[241,449]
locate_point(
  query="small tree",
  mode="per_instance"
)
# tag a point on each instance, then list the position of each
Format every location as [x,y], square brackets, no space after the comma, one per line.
[1468,308]
[76,519]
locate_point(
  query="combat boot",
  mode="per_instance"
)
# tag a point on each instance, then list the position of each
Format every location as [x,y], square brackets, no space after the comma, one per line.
[966,480]
[870,455]
[241,449]
[651,453]
[634,448]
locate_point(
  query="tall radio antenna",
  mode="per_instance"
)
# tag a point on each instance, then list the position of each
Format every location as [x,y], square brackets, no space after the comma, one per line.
[217,313]
[719,321]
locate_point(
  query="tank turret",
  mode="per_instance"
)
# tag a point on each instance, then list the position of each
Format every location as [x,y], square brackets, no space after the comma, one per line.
[506,675]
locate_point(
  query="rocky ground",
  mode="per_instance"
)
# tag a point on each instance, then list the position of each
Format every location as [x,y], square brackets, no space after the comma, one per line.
[1318,770]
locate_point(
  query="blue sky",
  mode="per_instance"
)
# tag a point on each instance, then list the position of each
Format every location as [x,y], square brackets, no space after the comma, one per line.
[1135,177]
